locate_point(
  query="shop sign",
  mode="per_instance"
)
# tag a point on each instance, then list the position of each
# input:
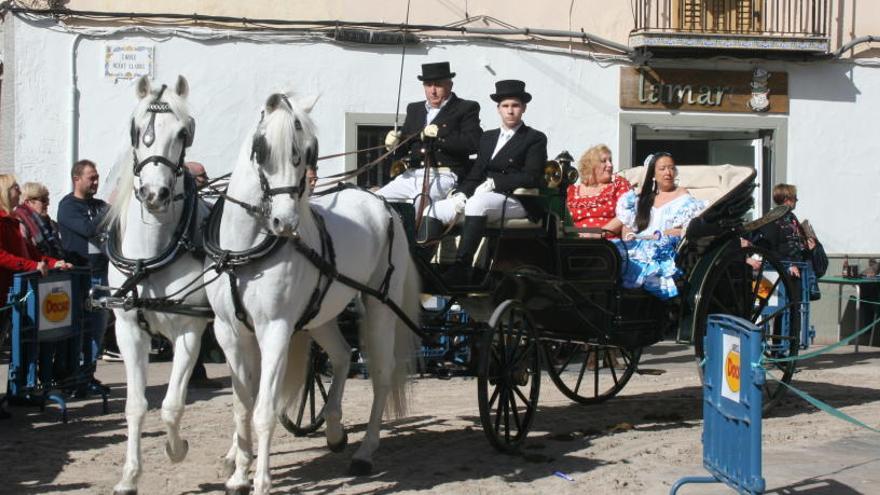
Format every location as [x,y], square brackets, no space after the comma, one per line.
[649,88]
[128,61]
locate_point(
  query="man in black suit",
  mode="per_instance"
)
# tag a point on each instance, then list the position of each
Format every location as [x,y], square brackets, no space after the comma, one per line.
[448,132]
[509,157]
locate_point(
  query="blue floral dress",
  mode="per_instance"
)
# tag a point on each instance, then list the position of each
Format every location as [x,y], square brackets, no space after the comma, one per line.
[649,260]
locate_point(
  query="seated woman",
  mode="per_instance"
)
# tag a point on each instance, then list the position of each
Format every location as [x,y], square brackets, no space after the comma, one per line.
[593,201]
[653,224]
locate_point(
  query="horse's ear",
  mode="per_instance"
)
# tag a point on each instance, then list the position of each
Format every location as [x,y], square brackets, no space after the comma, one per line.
[307,104]
[182,87]
[143,87]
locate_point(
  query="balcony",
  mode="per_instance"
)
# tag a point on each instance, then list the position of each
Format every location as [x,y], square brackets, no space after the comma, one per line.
[743,26]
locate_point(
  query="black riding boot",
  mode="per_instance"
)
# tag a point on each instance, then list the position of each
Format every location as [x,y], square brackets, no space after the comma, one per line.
[471,235]
[430,230]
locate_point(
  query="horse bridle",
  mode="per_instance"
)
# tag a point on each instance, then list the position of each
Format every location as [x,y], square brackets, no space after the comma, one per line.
[149,136]
[260,154]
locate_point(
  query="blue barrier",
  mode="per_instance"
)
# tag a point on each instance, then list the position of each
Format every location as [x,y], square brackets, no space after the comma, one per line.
[807,280]
[48,320]
[731,406]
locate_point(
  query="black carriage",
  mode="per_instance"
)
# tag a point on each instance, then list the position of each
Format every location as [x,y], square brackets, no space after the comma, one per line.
[549,297]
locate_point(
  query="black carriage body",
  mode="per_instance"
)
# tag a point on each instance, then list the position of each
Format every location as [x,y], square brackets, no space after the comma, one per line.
[571,287]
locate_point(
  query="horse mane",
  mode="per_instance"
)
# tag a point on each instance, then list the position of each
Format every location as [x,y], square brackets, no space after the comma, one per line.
[282,136]
[121,195]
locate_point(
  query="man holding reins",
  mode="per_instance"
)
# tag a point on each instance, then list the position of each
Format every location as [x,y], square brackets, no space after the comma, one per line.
[446,131]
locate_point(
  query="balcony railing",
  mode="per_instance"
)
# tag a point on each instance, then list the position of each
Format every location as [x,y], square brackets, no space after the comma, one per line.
[802,25]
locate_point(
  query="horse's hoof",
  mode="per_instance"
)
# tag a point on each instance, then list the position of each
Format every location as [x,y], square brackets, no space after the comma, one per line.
[360,468]
[175,458]
[129,491]
[339,446]
[239,490]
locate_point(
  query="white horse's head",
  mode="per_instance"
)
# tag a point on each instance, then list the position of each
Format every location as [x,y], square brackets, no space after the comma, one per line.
[161,130]
[284,144]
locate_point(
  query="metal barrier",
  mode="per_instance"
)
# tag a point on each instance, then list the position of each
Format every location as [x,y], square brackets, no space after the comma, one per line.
[731,406]
[48,321]
[805,330]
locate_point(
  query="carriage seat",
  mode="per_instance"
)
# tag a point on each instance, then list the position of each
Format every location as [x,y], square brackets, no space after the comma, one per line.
[519,223]
[706,182]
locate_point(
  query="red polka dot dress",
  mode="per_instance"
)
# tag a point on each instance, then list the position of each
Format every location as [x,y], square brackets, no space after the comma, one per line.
[598,210]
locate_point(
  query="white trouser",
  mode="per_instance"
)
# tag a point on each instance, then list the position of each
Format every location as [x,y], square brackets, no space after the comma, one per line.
[482,204]
[408,185]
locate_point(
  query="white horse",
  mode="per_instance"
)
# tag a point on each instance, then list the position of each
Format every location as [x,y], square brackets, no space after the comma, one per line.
[268,194]
[152,201]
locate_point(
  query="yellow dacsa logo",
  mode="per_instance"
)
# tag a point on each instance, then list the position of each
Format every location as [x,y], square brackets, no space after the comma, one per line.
[56,305]
[731,370]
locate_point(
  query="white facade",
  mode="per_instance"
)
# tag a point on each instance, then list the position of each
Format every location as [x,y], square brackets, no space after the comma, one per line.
[829,151]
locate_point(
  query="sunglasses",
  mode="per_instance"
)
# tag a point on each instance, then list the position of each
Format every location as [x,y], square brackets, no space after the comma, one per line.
[41,199]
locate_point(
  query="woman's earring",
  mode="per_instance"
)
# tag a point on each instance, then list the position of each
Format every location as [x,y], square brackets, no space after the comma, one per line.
[653,184]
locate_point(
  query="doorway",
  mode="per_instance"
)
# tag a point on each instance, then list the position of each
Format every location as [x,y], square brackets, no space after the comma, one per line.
[710,147]
[758,142]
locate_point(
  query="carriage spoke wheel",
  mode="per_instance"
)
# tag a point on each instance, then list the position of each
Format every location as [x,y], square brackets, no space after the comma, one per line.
[590,373]
[735,287]
[509,377]
[308,414]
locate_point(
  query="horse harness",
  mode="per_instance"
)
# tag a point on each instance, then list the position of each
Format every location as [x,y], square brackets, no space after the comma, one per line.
[324,261]
[182,241]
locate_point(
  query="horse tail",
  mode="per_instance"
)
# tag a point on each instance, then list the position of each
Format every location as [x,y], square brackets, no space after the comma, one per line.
[406,342]
[298,360]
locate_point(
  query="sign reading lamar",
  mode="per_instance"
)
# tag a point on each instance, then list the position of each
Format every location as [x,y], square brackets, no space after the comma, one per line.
[649,88]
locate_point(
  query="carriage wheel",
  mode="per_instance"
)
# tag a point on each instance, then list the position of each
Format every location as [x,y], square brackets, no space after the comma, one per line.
[509,376]
[590,373]
[309,413]
[734,287]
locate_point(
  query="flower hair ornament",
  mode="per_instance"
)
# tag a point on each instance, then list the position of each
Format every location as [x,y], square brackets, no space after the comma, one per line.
[647,163]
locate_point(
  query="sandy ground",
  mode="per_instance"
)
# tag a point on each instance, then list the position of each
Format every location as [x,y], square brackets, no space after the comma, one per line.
[440,448]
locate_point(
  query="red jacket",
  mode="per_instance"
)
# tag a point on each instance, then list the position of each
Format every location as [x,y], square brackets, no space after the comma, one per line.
[16,254]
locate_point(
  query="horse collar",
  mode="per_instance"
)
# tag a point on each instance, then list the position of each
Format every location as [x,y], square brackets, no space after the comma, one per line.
[183,235]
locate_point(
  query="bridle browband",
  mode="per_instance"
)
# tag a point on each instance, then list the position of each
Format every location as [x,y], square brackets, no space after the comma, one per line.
[149,136]
[260,154]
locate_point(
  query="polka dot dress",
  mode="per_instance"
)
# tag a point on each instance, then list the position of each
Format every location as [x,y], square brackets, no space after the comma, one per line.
[598,210]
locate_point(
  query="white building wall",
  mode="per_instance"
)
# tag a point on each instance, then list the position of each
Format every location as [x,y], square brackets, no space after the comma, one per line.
[831,148]
[834,152]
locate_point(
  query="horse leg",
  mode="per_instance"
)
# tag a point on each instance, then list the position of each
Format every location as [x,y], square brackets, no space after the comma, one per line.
[134,345]
[378,334]
[243,358]
[274,344]
[186,350]
[330,338]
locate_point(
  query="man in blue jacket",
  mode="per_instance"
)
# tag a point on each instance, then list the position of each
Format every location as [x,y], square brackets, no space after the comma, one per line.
[79,216]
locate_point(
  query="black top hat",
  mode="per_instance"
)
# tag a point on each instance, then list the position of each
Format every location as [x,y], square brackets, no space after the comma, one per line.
[510,88]
[436,72]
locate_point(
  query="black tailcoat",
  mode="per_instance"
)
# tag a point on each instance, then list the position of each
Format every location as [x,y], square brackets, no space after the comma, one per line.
[520,163]
[458,134]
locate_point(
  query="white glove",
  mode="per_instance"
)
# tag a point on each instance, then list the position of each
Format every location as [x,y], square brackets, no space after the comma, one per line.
[392,139]
[459,201]
[430,131]
[487,186]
